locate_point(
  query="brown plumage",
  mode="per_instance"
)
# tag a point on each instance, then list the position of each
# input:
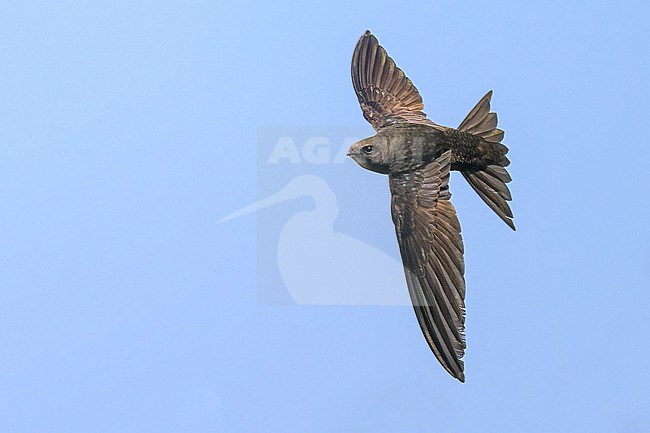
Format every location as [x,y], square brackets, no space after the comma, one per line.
[418,154]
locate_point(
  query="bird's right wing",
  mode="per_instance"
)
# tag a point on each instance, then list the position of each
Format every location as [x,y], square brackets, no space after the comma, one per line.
[431,246]
[385,94]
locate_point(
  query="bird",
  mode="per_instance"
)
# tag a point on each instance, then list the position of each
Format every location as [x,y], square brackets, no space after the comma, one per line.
[418,154]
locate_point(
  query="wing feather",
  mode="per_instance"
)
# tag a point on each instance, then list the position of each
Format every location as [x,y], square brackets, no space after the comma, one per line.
[386,95]
[428,233]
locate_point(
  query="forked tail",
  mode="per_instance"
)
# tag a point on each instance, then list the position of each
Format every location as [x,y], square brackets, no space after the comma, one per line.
[490,181]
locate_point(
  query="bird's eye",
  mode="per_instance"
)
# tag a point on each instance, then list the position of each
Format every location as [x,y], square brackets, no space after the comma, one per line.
[367,150]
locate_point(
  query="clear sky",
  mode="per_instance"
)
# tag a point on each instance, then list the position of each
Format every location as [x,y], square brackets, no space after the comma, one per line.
[129,129]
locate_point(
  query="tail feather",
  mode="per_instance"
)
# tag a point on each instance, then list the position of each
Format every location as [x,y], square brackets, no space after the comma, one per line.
[499,172]
[495,184]
[490,181]
[495,136]
[478,113]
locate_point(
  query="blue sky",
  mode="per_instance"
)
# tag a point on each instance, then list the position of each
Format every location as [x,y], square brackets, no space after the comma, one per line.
[128,129]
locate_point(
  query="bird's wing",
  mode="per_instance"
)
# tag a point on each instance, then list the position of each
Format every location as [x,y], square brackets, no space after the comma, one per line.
[385,94]
[431,246]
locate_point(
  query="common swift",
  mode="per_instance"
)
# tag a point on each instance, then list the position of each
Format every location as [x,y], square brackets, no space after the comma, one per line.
[417,155]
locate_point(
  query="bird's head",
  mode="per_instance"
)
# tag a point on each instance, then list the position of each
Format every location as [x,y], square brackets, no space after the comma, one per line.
[372,153]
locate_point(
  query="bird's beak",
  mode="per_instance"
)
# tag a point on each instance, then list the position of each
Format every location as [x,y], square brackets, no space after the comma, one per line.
[352,152]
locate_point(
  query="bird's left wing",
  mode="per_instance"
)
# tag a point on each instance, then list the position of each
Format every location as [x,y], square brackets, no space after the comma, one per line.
[431,246]
[385,94]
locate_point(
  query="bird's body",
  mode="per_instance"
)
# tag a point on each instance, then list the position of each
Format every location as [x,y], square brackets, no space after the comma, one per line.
[412,145]
[417,155]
